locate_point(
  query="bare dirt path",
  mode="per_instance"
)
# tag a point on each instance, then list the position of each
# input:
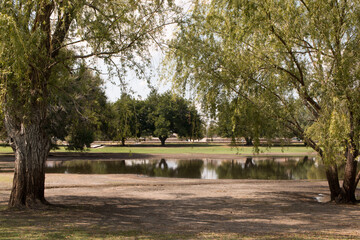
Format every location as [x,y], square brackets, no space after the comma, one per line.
[191,206]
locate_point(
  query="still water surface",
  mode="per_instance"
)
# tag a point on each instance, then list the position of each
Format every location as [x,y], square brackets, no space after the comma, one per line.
[286,168]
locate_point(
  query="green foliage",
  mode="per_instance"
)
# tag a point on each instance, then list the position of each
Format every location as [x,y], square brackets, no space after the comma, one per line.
[3,134]
[77,109]
[331,132]
[162,127]
[240,120]
[42,41]
[212,129]
[80,136]
[125,122]
[39,38]
[164,114]
[293,64]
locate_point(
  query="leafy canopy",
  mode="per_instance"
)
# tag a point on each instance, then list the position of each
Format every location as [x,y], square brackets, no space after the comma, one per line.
[165,114]
[40,38]
[295,61]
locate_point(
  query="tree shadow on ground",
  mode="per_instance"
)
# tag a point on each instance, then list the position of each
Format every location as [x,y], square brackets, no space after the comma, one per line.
[194,215]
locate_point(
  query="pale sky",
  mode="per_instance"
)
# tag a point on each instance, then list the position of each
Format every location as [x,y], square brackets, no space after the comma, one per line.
[140,86]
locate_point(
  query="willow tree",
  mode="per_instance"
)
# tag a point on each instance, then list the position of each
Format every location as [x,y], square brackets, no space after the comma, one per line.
[237,119]
[298,61]
[36,37]
[125,122]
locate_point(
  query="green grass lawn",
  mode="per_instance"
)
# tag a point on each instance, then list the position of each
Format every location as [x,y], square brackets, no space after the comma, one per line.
[188,149]
[197,149]
[5,149]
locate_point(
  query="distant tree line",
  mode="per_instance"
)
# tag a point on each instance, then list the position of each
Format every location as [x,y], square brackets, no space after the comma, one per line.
[82,114]
[160,115]
[238,120]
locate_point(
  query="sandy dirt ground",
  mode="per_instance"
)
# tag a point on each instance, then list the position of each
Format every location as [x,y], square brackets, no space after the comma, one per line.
[131,202]
[247,207]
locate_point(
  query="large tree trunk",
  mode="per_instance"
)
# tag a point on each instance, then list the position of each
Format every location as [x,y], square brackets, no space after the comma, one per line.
[31,145]
[333,181]
[347,193]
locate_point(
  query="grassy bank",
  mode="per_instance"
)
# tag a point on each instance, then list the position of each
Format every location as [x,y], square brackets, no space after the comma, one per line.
[188,149]
[5,149]
[201,149]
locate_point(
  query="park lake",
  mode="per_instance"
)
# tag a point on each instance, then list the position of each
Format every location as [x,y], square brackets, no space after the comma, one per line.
[274,168]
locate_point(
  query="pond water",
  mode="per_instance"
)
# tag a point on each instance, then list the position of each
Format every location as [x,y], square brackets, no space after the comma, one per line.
[286,168]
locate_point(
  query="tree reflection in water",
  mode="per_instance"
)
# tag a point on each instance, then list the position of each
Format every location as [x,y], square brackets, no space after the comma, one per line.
[304,168]
[249,168]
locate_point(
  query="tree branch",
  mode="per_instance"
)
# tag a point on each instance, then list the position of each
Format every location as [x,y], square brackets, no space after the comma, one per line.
[290,52]
[61,30]
[305,5]
[302,91]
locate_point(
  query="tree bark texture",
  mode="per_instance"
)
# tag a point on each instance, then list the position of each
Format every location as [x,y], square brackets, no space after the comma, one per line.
[32,146]
[333,181]
[346,193]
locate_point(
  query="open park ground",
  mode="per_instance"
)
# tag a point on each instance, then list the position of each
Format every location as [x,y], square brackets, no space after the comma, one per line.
[114,206]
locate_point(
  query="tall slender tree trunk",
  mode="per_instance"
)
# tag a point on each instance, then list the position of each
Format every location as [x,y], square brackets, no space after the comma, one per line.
[31,145]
